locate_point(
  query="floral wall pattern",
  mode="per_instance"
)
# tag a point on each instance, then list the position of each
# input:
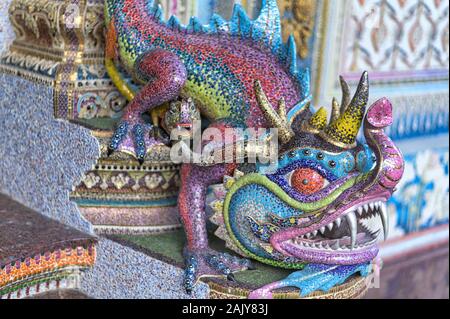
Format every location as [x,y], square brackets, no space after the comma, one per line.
[397,36]
[422,197]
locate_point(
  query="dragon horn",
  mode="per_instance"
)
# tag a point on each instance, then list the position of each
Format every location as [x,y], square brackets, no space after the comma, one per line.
[335,111]
[317,122]
[343,132]
[345,94]
[282,109]
[276,120]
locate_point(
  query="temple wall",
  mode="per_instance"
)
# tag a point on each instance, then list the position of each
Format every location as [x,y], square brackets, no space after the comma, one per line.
[44,157]
[411,69]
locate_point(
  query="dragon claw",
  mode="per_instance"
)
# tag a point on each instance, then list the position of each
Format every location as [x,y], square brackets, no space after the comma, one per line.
[110,151]
[136,133]
[231,277]
[139,142]
[207,262]
[118,137]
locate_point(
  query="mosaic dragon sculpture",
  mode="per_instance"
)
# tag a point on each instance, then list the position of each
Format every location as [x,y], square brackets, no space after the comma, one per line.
[317,213]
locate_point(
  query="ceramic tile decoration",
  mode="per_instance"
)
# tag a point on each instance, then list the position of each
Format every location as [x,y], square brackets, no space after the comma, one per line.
[404,44]
[39,254]
[104,83]
[235,78]
[385,37]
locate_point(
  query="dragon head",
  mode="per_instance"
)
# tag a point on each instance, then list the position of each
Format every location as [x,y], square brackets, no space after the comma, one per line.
[326,201]
[180,116]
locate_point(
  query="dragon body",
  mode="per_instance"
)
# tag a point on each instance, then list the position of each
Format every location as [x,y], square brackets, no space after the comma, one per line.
[318,211]
[221,61]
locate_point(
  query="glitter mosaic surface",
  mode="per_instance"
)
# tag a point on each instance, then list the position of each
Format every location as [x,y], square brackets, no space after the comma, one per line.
[53,154]
[122,268]
[210,64]
[241,74]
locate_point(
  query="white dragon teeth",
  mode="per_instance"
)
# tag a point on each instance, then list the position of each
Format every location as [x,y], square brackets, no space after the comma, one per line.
[336,245]
[352,223]
[360,210]
[384,220]
[377,208]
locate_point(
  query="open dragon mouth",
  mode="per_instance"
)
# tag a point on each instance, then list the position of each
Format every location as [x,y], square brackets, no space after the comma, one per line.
[184,129]
[186,126]
[357,229]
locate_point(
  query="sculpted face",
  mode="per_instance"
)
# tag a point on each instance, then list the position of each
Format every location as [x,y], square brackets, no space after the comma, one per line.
[326,202]
[181,116]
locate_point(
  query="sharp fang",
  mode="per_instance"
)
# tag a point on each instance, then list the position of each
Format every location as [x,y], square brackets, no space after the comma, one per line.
[336,245]
[314,233]
[372,206]
[338,222]
[384,220]
[366,208]
[330,226]
[322,229]
[308,235]
[351,220]
[360,210]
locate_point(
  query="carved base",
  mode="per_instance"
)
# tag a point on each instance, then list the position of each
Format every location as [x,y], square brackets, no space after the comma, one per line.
[119,196]
[355,288]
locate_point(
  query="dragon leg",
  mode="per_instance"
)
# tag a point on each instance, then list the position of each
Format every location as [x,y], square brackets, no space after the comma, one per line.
[200,260]
[166,75]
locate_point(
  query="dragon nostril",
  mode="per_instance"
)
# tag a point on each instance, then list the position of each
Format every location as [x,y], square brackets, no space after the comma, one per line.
[332,163]
[320,156]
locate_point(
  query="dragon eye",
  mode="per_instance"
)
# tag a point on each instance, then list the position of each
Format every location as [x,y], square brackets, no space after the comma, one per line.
[307,181]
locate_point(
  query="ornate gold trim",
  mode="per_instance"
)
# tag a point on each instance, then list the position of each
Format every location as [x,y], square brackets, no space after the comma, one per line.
[355,288]
[61,36]
[299,22]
